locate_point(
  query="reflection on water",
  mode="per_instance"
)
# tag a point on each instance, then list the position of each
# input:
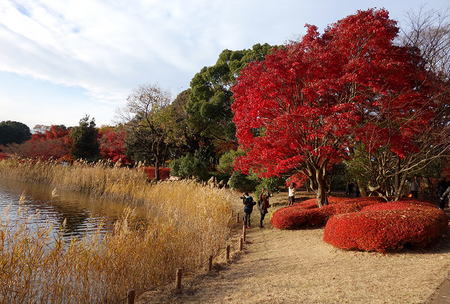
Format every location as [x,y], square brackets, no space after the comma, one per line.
[81,211]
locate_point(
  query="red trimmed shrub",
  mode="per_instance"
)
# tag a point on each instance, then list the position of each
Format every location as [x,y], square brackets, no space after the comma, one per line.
[3,156]
[296,218]
[307,214]
[386,226]
[164,173]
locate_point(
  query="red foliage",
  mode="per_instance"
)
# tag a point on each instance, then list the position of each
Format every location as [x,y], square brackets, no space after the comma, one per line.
[386,226]
[55,132]
[51,143]
[112,146]
[164,173]
[300,107]
[306,214]
[42,149]
[3,156]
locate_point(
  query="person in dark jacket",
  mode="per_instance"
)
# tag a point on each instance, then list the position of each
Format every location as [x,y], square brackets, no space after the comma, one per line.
[442,191]
[263,204]
[248,208]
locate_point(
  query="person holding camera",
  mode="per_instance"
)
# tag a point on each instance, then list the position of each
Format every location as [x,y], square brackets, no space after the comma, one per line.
[248,208]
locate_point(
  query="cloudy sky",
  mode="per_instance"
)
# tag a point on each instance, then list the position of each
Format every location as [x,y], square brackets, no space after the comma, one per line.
[63,59]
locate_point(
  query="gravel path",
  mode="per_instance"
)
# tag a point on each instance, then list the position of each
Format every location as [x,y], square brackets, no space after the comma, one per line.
[282,266]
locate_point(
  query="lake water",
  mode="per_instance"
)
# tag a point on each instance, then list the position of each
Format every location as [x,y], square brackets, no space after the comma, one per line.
[82,213]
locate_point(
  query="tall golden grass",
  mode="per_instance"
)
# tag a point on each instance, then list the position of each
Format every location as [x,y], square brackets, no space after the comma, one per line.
[185,224]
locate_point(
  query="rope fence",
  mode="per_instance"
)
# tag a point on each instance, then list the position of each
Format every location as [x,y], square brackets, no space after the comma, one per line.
[131,295]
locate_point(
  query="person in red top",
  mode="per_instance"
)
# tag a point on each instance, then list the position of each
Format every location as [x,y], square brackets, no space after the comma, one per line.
[263,204]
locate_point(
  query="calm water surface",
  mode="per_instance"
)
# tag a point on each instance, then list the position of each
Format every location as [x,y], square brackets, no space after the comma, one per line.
[83,213]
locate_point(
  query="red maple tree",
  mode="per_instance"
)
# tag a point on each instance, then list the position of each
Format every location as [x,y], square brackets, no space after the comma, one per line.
[50,143]
[112,146]
[303,107]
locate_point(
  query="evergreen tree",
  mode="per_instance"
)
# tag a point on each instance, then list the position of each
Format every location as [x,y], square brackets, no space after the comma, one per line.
[84,137]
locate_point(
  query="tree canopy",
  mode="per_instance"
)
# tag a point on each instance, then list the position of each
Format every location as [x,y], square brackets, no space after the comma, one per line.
[152,133]
[84,140]
[384,170]
[304,107]
[13,132]
[210,96]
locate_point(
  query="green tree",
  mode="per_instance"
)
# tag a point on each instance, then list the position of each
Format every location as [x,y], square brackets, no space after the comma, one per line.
[179,120]
[227,159]
[244,182]
[188,166]
[210,97]
[84,140]
[13,132]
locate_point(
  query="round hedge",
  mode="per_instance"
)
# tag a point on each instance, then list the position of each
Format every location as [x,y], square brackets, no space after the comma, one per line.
[387,226]
[306,214]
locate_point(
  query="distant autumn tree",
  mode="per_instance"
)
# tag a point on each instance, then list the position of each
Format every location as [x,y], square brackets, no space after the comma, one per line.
[302,108]
[47,142]
[112,145]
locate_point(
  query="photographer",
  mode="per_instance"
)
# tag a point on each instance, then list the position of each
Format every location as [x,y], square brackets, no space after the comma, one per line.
[248,202]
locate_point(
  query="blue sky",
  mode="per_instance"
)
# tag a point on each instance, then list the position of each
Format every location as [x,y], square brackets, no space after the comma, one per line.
[63,59]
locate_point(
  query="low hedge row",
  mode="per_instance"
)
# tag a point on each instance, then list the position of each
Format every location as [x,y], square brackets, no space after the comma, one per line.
[164,173]
[386,226]
[307,214]
[367,223]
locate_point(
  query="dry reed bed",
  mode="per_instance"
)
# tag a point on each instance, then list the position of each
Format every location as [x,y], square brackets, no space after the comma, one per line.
[186,223]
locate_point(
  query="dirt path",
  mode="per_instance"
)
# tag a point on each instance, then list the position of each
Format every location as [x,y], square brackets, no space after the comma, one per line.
[280,266]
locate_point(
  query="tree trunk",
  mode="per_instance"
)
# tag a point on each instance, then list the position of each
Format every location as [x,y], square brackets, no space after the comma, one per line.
[322,199]
[361,189]
[156,170]
[398,193]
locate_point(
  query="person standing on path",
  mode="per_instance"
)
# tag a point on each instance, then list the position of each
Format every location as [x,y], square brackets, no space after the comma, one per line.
[440,190]
[414,187]
[263,204]
[248,208]
[291,199]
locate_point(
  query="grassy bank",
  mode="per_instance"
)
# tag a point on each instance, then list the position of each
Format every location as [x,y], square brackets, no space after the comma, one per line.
[186,223]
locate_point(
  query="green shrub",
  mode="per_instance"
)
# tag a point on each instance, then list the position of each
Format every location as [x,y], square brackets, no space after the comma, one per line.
[188,167]
[243,182]
[272,184]
[226,161]
[207,156]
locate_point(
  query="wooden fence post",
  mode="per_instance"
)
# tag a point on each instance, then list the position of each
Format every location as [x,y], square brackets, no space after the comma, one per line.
[130,296]
[210,263]
[179,273]
[241,245]
[244,231]
[228,253]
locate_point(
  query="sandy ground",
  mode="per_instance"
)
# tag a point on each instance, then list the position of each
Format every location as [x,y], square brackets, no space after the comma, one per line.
[283,266]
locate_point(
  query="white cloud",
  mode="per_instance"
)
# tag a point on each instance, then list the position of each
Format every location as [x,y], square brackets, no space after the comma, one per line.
[106,48]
